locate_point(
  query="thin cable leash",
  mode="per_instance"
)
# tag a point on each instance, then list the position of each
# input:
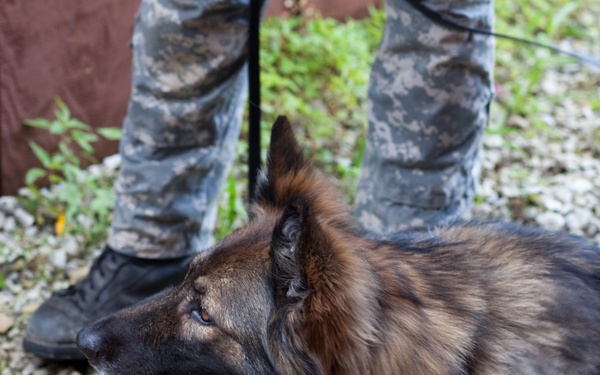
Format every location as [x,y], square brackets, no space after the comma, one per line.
[254,111]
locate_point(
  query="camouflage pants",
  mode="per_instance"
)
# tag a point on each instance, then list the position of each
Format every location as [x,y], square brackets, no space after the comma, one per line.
[429,98]
[182,125]
[427,111]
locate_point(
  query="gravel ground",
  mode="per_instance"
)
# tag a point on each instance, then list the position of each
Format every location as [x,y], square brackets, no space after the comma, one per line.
[546,176]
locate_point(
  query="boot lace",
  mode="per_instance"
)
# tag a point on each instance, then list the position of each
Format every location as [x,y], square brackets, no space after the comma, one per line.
[90,286]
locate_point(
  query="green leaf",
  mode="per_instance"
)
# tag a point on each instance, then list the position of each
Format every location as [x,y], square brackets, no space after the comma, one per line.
[110,133]
[76,124]
[58,127]
[72,172]
[103,201]
[41,123]
[84,140]
[70,193]
[33,175]
[67,152]
[62,113]
[57,162]
[560,16]
[54,179]
[40,153]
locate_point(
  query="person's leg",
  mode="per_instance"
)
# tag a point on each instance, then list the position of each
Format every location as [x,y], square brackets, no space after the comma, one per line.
[429,97]
[183,120]
[185,111]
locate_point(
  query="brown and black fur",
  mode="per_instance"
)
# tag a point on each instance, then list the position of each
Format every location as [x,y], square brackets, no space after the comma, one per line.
[299,291]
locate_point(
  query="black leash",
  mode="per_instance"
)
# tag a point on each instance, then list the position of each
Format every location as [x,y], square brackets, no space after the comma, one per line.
[441,20]
[253,96]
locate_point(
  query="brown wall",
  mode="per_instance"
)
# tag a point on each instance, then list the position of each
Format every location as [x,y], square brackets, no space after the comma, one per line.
[76,50]
[79,51]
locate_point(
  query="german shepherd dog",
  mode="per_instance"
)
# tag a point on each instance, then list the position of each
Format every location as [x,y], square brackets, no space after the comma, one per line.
[299,291]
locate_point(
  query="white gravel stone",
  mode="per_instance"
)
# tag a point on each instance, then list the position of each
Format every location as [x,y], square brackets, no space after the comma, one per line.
[493,141]
[85,221]
[551,220]
[594,227]
[510,191]
[31,231]
[580,185]
[6,323]
[29,369]
[10,224]
[59,258]
[530,213]
[70,245]
[24,218]
[95,170]
[551,204]
[8,204]
[578,219]
[112,162]
[562,193]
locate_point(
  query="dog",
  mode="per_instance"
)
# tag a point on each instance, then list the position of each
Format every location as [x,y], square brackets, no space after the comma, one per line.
[299,290]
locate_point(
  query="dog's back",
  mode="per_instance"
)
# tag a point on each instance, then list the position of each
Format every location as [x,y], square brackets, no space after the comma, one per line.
[489,298]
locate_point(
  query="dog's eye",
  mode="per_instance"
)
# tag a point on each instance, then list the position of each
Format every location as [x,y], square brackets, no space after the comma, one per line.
[202,316]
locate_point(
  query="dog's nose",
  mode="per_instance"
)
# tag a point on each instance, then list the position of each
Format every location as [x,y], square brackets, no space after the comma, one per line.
[89,342]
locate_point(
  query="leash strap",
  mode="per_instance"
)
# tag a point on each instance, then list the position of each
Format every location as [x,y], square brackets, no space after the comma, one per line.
[441,20]
[254,161]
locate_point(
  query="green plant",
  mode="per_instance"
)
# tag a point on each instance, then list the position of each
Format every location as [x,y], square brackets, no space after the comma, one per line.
[315,71]
[79,201]
[232,210]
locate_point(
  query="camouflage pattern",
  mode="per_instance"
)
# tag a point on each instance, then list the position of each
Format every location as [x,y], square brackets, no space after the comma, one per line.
[429,98]
[183,122]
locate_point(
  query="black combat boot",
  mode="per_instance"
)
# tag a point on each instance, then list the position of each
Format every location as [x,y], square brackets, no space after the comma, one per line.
[115,281]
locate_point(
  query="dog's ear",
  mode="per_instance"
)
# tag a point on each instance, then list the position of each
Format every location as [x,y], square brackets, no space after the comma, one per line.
[302,252]
[285,155]
[294,260]
[304,257]
[290,175]
[289,279]
[285,161]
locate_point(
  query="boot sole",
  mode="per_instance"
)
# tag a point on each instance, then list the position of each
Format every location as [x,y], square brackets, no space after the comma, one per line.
[52,350]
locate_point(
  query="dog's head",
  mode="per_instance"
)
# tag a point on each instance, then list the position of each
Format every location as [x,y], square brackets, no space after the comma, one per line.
[262,301]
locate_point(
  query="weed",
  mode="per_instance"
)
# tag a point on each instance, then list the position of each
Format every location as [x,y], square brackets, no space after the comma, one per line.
[80,200]
[315,71]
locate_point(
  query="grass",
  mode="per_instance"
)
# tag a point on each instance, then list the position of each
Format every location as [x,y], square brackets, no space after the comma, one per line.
[316,72]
